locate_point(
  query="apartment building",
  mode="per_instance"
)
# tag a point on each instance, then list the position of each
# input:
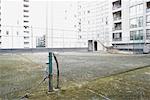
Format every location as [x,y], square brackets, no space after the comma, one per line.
[62,25]
[130,28]
[93,24]
[15,24]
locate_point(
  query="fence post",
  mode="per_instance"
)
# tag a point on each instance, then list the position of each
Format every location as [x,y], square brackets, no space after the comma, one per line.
[50,74]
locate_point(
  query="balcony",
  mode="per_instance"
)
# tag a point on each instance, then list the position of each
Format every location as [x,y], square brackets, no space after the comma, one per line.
[117,36]
[148,7]
[117,16]
[117,26]
[116,5]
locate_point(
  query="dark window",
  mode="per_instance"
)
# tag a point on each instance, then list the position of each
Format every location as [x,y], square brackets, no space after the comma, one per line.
[26,10]
[7,32]
[17,33]
[26,27]
[25,5]
[26,0]
[117,36]
[26,37]
[148,34]
[25,15]
[79,30]
[136,35]
[25,21]
[26,42]
[26,31]
[148,5]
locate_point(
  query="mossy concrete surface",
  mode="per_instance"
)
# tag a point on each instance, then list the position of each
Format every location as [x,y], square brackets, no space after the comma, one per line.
[84,76]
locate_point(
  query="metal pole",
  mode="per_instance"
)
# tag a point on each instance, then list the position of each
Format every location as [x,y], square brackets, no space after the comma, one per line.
[50,84]
[47,35]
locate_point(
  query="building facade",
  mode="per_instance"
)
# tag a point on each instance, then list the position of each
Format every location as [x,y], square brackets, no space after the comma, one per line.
[15,24]
[123,24]
[130,28]
[93,24]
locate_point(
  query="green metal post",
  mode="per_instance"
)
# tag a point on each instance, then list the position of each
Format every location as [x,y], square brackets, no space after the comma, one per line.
[50,84]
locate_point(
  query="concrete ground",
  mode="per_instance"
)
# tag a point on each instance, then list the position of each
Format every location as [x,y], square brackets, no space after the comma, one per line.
[19,72]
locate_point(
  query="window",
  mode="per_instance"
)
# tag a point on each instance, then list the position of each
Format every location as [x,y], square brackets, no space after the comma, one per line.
[26,42]
[25,21]
[133,23]
[7,32]
[139,9]
[136,22]
[148,34]
[26,27]
[140,21]
[148,6]
[132,35]
[133,11]
[80,36]
[79,30]
[148,20]
[106,20]
[26,37]
[88,22]
[25,5]
[26,10]
[26,0]
[25,15]
[140,35]
[17,33]
[136,35]
[117,36]
[117,26]
[26,31]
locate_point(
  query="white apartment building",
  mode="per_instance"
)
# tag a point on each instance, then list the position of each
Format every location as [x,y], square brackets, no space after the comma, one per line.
[24,21]
[15,24]
[123,24]
[62,25]
[130,25]
[94,24]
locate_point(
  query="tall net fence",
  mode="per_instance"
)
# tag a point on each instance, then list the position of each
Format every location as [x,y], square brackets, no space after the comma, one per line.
[92,75]
[14,37]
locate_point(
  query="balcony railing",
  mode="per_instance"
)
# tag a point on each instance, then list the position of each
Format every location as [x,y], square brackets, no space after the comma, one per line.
[116,7]
[147,10]
[117,39]
[117,18]
[117,28]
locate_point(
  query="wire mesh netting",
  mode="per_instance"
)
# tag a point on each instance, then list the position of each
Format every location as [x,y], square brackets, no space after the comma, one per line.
[82,76]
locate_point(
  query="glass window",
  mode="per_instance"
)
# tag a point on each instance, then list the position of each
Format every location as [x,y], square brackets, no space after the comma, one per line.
[133,11]
[117,36]
[140,21]
[136,35]
[148,34]
[7,32]
[140,34]
[133,23]
[140,9]
[136,22]
[132,35]
[148,20]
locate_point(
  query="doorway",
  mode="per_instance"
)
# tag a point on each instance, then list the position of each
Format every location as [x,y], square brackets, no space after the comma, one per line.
[95,45]
[90,45]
